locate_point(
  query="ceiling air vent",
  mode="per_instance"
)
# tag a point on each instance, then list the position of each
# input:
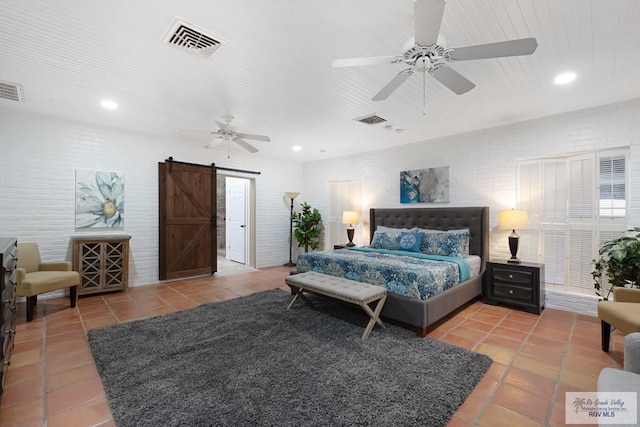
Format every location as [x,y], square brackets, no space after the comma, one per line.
[187,36]
[370,119]
[10,91]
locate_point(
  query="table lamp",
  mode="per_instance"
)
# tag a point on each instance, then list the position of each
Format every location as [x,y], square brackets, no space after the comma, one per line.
[350,218]
[510,220]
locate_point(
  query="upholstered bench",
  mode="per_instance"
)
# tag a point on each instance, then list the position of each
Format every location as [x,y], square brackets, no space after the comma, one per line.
[342,289]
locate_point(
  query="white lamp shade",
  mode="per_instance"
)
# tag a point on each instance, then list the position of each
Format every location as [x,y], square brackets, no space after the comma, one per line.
[291,194]
[350,217]
[512,220]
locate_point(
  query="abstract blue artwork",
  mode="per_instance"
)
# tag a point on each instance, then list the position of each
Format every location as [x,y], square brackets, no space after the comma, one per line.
[425,185]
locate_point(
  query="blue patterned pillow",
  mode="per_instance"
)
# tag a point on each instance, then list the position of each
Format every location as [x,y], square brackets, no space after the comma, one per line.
[410,241]
[447,244]
[384,240]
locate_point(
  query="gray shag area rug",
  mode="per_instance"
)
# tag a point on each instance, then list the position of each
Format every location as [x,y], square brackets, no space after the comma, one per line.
[251,362]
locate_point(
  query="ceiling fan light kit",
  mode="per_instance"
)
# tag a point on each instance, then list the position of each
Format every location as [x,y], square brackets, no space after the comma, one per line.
[424,54]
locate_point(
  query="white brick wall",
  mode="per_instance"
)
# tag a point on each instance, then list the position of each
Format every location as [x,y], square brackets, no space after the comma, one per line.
[39,157]
[483,163]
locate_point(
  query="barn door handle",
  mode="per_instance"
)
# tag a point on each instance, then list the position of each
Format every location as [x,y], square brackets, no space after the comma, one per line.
[242,226]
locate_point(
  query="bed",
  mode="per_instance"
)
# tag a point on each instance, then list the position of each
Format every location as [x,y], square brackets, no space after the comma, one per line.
[419,309]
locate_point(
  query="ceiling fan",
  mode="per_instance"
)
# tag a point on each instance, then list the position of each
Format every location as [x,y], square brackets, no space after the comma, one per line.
[226,133]
[423,53]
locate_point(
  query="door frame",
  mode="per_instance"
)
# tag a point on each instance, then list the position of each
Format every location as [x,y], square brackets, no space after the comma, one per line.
[250,214]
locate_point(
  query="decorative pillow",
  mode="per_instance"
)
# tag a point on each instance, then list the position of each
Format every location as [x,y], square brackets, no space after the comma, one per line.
[410,242]
[385,240]
[451,243]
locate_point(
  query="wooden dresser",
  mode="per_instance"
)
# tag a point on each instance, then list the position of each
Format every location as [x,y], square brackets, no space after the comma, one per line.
[8,281]
[102,262]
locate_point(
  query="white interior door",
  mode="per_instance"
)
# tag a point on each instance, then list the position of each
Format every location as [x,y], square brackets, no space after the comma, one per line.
[236,229]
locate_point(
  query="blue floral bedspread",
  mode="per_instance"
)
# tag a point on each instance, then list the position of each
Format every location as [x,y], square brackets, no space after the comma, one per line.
[410,274]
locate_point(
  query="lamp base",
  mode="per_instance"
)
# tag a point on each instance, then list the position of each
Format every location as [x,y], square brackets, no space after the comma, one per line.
[350,237]
[514,261]
[290,264]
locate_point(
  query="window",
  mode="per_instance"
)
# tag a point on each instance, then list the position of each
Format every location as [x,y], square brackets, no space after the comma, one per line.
[574,204]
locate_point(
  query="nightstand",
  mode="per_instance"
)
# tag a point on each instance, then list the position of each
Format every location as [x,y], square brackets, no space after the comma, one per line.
[518,285]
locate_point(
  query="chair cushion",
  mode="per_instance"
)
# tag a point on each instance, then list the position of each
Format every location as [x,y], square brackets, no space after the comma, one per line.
[625,316]
[40,282]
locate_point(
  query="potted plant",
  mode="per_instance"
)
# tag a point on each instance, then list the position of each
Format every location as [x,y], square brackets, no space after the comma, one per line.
[619,262]
[307,227]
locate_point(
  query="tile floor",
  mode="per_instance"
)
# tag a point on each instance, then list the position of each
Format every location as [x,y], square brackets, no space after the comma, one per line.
[52,380]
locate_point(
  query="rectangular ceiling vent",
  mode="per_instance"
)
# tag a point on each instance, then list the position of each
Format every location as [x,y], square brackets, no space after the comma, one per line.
[370,119]
[187,36]
[10,91]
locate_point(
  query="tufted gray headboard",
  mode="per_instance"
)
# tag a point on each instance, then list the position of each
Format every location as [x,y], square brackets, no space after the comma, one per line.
[476,219]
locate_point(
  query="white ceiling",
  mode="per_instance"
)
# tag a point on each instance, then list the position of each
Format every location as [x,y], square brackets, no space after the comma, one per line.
[274,74]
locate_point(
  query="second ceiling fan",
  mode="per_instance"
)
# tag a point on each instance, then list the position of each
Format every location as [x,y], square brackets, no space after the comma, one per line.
[226,133]
[422,53]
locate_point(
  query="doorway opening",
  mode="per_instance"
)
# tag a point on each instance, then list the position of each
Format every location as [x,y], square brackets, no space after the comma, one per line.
[235,219]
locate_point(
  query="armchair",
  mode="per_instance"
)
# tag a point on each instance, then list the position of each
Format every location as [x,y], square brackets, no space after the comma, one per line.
[36,277]
[627,380]
[623,313]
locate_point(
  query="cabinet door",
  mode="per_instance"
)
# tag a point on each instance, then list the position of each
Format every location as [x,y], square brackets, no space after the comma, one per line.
[115,257]
[89,265]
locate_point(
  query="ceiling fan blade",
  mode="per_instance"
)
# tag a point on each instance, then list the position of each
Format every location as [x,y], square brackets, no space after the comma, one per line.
[244,144]
[223,126]
[394,84]
[451,79]
[357,62]
[195,131]
[494,50]
[427,17]
[252,136]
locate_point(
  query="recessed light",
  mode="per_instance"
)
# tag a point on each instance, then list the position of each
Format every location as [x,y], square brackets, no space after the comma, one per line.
[109,105]
[296,148]
[564,78]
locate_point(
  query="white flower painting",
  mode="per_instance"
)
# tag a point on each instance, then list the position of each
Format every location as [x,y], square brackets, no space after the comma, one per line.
[99,199]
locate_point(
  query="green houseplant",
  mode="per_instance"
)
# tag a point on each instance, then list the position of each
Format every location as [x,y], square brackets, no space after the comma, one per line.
[619,262]
[307,227]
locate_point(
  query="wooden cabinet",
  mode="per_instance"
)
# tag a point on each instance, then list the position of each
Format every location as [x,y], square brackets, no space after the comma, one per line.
[102,262]
[519,285]
[8,282]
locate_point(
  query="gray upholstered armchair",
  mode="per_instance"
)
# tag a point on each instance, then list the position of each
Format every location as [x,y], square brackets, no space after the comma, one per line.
[36,277]
[616,380]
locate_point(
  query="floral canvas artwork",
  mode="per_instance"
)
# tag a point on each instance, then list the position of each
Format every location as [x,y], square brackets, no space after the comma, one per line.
[425,185]
[99,199]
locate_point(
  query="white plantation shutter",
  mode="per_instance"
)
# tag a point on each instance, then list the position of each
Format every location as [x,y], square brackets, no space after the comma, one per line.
[554,199]
[582,188]
[553,241]
[584,202]
[613,178]
[530,200]
[342,196]
[580,256]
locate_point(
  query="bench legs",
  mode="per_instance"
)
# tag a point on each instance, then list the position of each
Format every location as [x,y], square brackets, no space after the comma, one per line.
[374,315]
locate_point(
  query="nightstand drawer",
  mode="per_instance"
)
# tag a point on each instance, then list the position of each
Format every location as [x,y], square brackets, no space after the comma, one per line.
[512,276]
[513,292]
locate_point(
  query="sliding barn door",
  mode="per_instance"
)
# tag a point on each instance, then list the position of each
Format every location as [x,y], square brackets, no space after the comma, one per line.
[187,207]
